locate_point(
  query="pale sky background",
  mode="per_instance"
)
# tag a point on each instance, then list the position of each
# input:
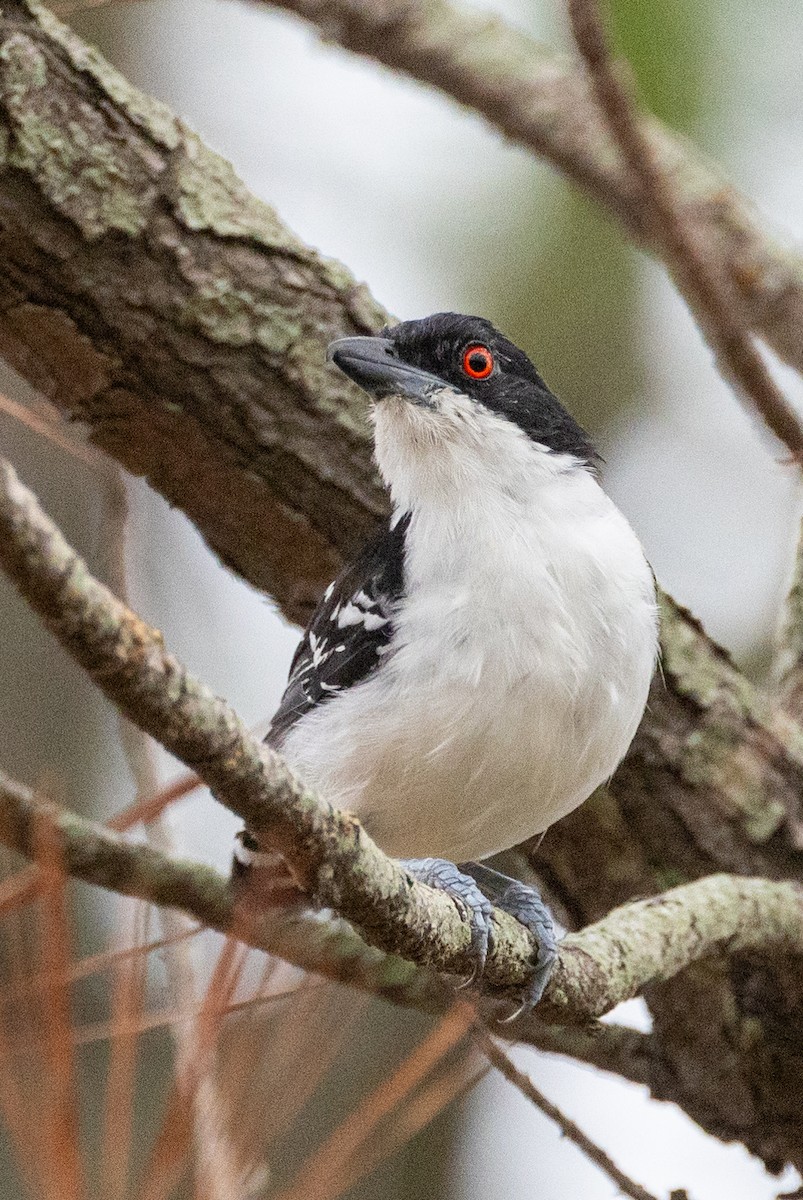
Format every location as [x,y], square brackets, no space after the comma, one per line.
[381,174]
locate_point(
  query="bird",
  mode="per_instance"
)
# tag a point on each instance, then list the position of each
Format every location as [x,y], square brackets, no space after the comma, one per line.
[484,662]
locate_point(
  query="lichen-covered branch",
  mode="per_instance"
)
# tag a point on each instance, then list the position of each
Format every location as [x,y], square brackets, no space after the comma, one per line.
[328,851]
[600,966]
[331,856]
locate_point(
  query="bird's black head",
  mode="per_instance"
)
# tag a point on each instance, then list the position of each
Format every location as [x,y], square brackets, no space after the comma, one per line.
[418,359]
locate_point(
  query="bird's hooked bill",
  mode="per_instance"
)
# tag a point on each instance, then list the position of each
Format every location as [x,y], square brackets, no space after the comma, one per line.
[374,364]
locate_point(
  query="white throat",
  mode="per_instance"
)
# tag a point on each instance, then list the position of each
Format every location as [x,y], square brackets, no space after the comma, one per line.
[458,455]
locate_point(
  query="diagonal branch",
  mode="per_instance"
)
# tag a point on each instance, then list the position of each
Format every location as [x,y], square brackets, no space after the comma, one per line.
[709,292]
[569,1129]
[331,855]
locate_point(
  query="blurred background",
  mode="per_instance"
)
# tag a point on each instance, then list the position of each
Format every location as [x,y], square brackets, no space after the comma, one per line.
[436,212]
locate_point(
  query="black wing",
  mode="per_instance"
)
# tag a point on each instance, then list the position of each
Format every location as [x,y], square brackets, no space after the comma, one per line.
[349,631]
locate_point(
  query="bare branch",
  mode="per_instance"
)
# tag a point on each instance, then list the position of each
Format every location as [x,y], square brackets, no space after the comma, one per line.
[709,292]
[570,1129]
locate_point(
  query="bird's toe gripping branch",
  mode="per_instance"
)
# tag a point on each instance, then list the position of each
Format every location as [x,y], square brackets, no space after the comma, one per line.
[446,877]
[519,899]
[524,903]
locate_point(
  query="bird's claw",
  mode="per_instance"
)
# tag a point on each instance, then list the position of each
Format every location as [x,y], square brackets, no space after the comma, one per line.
[525,904]
[464,891]
[518,899]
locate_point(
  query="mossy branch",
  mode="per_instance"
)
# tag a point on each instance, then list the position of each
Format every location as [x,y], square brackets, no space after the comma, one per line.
[608,962]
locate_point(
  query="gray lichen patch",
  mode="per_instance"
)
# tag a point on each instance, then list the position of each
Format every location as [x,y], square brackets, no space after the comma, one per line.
[234,315]
[65,146]
[149,114]
[210,197]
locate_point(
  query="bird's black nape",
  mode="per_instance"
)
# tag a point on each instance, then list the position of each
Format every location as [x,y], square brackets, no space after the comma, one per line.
[512,387]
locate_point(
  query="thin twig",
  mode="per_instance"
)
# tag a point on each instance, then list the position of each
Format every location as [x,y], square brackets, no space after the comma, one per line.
[687,253]
[521,1080]
[21,887]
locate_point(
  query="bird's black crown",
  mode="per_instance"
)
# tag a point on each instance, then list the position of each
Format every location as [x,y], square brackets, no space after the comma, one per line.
[451,347]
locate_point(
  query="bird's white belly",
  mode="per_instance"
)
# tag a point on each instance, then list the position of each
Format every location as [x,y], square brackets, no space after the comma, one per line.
[485,727]
[462,771]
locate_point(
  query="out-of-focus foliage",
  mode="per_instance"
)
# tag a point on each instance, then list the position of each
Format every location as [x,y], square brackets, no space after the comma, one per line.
[578,282]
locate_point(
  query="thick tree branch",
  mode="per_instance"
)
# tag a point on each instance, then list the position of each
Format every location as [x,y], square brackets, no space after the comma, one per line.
[149,295]
[599,967]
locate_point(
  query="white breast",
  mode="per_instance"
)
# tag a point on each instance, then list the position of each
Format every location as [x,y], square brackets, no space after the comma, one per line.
[519,669]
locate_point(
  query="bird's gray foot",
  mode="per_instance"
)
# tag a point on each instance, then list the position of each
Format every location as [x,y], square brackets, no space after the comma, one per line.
[524,903]
[446,877]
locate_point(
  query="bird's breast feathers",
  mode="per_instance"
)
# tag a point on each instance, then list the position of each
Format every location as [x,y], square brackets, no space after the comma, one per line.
[522,652]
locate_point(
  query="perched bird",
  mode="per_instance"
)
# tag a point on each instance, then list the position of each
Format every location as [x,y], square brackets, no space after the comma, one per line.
[483,664]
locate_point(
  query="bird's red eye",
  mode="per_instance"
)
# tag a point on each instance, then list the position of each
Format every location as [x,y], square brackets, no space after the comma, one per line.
[478,362]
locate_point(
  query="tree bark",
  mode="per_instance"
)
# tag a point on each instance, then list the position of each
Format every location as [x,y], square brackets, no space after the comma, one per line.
[151,298]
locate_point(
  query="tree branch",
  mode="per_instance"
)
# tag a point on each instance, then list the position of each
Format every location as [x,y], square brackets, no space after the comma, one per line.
[599,967]
[330,854]
[328,851]
[540,100]
[569,1129]
[684,248]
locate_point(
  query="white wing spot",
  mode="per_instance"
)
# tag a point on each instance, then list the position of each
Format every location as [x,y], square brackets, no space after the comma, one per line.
[373,621]
[350,615]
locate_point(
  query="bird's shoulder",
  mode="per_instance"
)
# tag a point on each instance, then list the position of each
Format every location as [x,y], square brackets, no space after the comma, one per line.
[350,630]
